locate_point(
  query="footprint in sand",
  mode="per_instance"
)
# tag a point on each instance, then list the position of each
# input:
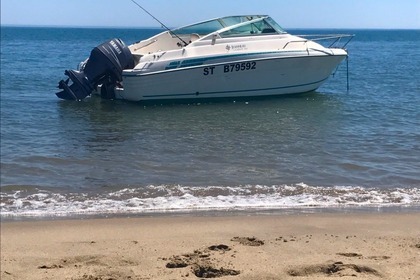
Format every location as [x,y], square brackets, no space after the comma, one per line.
[248,241]
[108,274]
[350,255]
[54,266]
[379,258]
[89,261]
[333,269]
[200,263]
[221,248]
[177,262]
[207,271]
[356,255]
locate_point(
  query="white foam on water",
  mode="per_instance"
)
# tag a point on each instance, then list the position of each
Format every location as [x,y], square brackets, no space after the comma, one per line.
[177,198]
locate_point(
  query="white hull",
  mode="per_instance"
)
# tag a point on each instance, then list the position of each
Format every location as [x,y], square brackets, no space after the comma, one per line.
[268,76]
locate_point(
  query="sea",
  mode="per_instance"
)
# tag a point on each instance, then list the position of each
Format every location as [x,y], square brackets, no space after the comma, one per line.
[333,149]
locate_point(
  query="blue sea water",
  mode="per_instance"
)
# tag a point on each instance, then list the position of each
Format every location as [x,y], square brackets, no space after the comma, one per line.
[329,149]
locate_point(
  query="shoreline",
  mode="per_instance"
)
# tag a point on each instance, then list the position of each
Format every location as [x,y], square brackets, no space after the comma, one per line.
[302,246]
[356,209]
[179,199]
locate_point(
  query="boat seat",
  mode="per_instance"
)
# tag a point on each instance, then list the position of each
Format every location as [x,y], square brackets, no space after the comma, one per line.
[194,37]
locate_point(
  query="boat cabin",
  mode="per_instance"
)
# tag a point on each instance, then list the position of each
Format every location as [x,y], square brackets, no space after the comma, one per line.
[190,35]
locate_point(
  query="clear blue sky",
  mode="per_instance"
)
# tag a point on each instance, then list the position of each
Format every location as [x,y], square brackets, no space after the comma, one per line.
[288,13]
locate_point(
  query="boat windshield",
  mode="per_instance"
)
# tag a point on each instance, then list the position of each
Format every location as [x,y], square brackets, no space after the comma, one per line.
[265,26]
[202,28]
[207,27]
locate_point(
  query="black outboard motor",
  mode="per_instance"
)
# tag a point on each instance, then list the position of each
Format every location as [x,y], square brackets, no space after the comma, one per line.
[104,66]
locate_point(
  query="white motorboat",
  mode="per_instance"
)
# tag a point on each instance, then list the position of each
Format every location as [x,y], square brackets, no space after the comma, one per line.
[228,57]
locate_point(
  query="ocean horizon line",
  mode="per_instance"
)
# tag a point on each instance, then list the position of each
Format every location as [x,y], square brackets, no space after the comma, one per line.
[172,27]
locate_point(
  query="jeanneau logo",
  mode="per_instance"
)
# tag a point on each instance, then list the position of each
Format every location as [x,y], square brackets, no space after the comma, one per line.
[236,47]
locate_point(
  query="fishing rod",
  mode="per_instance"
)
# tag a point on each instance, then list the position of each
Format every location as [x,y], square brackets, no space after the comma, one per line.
[161,23]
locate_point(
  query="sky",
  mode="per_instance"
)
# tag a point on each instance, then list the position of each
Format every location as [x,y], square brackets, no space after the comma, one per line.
[382,14]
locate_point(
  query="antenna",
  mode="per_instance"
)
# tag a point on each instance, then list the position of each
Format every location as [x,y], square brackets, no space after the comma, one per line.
[163,25]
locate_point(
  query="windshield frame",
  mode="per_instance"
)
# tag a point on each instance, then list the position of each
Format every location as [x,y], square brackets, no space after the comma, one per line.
[224,24]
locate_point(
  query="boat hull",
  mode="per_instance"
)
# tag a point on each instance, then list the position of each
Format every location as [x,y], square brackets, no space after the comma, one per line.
[240,78]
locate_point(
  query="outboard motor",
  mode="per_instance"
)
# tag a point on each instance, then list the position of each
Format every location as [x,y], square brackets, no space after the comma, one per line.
[104,66]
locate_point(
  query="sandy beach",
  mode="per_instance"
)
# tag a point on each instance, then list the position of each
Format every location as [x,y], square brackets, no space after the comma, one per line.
[298,246]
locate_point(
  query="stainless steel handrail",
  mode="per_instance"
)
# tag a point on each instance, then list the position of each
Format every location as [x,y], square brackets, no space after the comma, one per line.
[336,37]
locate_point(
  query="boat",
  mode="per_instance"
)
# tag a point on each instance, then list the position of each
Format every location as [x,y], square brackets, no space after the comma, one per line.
[227,57]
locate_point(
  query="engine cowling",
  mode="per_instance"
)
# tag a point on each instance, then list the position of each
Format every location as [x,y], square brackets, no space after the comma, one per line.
[104,66]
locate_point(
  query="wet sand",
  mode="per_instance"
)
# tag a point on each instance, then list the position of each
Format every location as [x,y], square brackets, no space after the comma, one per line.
[299,246]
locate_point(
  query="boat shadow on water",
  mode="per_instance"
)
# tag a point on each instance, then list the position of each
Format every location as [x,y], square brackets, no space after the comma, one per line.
[107,104]
[98,108]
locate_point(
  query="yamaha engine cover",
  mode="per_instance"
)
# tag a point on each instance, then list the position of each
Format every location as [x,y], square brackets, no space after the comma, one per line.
[105,65]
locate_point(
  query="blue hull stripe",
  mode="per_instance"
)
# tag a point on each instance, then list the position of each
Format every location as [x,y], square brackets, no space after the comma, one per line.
[232,91]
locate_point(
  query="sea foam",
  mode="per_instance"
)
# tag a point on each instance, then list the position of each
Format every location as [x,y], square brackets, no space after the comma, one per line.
[178,198]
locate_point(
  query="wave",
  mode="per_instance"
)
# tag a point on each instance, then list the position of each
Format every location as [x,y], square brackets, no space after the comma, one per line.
[35,202]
